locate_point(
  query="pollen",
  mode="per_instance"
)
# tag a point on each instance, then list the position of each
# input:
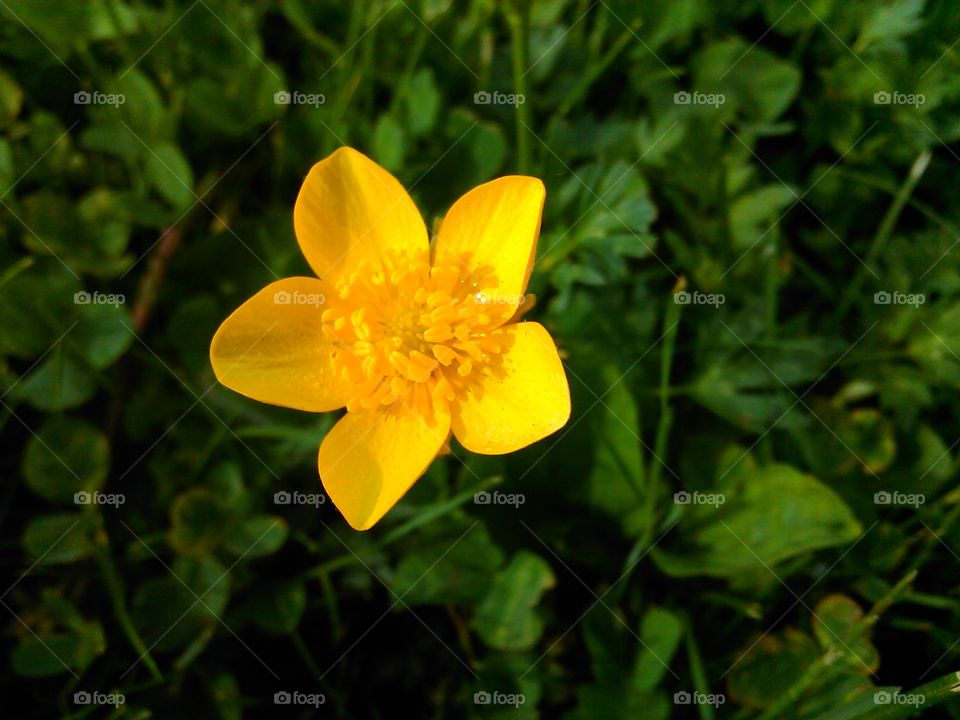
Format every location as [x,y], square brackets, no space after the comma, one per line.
[406,332]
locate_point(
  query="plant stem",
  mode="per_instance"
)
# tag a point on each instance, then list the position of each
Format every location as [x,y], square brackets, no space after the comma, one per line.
[937,691]
[823,664]
[889,221]
[115,589]
[697,670]
[518,18]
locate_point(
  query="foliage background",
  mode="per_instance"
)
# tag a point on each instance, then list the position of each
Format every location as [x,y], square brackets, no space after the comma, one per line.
[798,398]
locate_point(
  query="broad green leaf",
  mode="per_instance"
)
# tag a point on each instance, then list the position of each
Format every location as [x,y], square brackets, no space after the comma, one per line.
[389,143]
[769,515]
[170,173]
[661,632]
[506,618]
[199,522]
[65,458]
[53,539]
[256,536]
[835,623]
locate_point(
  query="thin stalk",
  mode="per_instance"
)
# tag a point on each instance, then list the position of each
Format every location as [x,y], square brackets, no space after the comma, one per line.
[824,663]
[518,19]
[938,691]
[111,579]
[697,671]
[886,227]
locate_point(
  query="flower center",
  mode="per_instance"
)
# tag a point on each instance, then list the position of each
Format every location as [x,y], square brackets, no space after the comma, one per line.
[408,332]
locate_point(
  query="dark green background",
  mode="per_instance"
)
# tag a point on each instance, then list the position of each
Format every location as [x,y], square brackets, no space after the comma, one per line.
[796,200]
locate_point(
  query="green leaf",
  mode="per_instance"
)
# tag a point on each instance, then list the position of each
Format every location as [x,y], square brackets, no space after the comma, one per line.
[168,170]
[770,665]
[389,143]
[56,654]
[506,618]
[439,572]
[835,624]
[53,539]
[278,609]
[58,384]
[661,632]
[199,521]
[64,458]
[422,100]
[257,536]
[34,307]
[11,100]
[889,22]
[769,515]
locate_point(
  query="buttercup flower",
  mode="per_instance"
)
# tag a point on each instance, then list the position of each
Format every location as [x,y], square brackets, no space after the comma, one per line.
[414,340]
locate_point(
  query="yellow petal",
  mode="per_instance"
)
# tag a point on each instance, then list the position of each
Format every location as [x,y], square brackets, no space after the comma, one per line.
[272,349]
[370,459]
[494,227]
[350,209]
[522,400]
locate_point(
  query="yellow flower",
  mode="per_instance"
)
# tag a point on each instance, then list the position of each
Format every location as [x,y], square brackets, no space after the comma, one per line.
[414,341]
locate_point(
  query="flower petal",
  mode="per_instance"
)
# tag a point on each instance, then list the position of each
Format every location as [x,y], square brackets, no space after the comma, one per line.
[494,227]
[350,209]
[522,400]
[370,459]
[271,348]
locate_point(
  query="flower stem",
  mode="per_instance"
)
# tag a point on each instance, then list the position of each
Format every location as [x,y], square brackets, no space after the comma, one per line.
[518,18]
[115,589]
